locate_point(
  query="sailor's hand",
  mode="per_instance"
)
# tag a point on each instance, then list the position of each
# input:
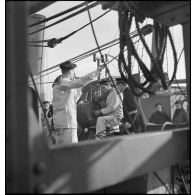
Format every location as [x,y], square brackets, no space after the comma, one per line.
[97,113]
[96,73]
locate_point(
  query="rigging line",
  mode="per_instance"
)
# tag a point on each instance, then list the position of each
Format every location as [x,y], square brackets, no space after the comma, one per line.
[77,60]
[102,46]
[46,74]
[31,45]
[40,41]
[59,69]
[80,55]
[41,83]
[63,19]
[93,31]
[108,72]
[161,181]
[59,14]
[59,40]
[48,126]
[180,89]
[137,48]
[41,60]
[175,75]
[107,44]
[167,58]
[74,62]
[114,39]
[111,46]
[133,34]
[142,53]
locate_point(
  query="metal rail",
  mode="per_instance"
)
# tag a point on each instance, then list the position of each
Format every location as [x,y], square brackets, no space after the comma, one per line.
[93,165]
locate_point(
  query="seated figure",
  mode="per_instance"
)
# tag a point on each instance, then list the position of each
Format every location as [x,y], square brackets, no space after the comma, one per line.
[111,115]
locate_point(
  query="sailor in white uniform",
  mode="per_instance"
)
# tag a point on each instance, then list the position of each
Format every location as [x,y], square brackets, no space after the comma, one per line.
[65,96]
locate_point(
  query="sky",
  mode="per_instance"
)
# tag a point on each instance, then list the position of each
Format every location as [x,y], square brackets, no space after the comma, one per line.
[106,29]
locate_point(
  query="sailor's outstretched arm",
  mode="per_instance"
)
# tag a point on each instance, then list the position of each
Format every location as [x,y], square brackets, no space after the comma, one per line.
[80,82]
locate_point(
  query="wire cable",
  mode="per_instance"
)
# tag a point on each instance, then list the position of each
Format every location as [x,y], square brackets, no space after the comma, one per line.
[41,83]
[175,75]
[32,45]
[77,59]
[125,21]
[53,42]
[161,181]
[87,54]
[57,15]
[66,18]
[48,126]
[108,72]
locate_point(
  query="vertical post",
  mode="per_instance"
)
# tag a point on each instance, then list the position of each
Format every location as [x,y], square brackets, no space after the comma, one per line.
[186,38]
[106,60]
[17,139]
[98,65]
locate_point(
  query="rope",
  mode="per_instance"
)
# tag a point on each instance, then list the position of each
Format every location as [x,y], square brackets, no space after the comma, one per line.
[42,41]
[53,42]
[41,83]
[110,50]
[108,72]
[57,15]
[137,49]
[41,67]
[161,181]
[63,19]
[45,74]
[48,126]
[81,56]
[87,54]
[76,59]
[125,21]
[175,76]
[161,33]
[31,45]
[175,57]
[114,39]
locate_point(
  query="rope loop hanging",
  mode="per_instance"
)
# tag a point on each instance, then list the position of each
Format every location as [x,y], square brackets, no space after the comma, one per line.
[126,15]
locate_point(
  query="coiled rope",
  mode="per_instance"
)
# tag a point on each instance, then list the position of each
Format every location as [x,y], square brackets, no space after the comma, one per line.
[161,33]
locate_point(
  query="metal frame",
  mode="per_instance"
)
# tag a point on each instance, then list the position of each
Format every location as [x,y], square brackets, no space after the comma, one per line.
[93,165]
